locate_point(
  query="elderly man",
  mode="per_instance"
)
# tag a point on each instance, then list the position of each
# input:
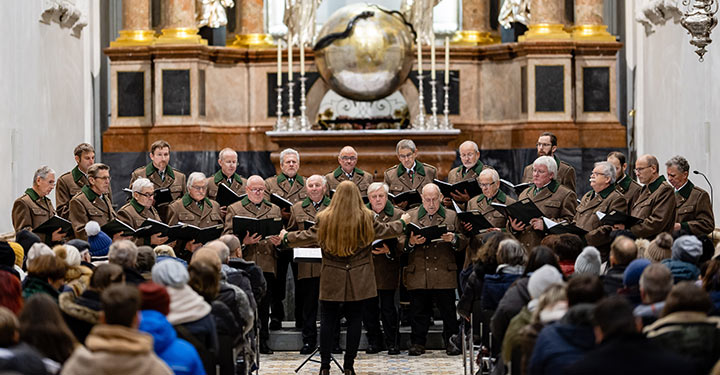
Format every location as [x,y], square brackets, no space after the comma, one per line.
[124,254]
[410,174]
[546,146]
[431,273]
[71,182]
[162,175]
[94,203]
[623,183]
[554,200]
[694,210]
[469,170]
[348,171]
[387,278]
[34,207]
[139,208]
[655,204]
[256,249]
[489,181]
[227,159]
[308,291]
[603,197]
[195,208]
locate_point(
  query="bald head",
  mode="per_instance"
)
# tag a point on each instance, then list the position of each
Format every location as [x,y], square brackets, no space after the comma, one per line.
[469,153]
[347,159]
[431,197]
[622,251]
[255,189]
[647,169]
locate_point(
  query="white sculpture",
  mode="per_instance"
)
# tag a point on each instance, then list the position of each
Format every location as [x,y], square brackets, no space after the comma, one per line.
[514,11]
[300,20]
[420,14]
[656,12]
[211,13]
[66,14]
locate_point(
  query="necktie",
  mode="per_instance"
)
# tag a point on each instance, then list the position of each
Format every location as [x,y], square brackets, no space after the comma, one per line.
[199,204]
[291,180]
[349,176]
[430,217]
[229,180]
[317,205]
[162,175]
[411,173]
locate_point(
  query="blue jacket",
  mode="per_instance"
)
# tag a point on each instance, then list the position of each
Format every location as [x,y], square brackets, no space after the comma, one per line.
[179,354]
[682,271]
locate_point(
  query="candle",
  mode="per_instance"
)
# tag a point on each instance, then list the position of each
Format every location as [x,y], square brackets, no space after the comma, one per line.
[432,58]
[302,56]
[447,60]
[419,58]
[290,51]
[279,63]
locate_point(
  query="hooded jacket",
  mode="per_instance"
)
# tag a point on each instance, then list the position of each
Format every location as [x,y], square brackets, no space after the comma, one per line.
[178,354]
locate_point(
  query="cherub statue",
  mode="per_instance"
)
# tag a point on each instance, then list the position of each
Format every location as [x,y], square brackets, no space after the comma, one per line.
[514,11]
[211,13]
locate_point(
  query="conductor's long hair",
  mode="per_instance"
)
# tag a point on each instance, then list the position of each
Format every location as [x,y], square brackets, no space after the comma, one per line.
[346,225]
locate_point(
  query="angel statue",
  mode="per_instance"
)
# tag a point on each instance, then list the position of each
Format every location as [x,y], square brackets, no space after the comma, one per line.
[211,19]
[514,11]
[300,20]
[420,14]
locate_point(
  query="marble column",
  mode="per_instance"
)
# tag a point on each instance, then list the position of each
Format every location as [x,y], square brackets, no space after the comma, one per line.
[589,24]
[178,17]
[546,20]
[137,29]
[476,22]
[250,30]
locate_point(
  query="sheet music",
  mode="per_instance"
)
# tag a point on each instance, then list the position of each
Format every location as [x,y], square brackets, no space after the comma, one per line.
[457,208]
[600,215]
[307,252]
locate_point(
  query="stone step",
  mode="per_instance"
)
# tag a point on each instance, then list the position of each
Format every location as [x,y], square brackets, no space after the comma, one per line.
[289,338]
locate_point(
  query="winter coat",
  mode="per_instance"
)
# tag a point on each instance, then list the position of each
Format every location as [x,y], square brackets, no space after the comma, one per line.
[613,279]
[257,279]
[515,298]
[177,353]
[21,359]
[473,287]
[32,285]
[81,313]
[649,313]
[682,271]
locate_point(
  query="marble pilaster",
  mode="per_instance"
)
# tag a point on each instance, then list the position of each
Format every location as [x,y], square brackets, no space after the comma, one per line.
[179,23]
[137,28]
[546,21]
[250,26]
[476,22]
[589,22]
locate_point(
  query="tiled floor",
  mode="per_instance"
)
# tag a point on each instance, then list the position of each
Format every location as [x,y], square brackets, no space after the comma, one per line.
[433,362]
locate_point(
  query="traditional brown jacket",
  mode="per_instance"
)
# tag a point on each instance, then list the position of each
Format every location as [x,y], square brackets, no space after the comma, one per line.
[86,206]
[629,189]
[263,253]
[237,185]
[299,214]
[656,206]
[30,210]
[281,186]
[694,211]
[586,218]
[565,174]
[398,179]
[360,178]
[387,269]
[556,202]
[174,180]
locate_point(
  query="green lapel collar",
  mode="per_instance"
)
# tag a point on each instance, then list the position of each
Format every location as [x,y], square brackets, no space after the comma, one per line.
[339,171]
[422,212]
[89,193]
[605,192]
[478,167]
[219,176]
[552,186]
[419,169]
[77,175]
[624,183]
[686,190]
[281,177]
[32,194]
[150,169]
[245,201]
[500,197]
[307,201]
[138,207]
[389,209]
[557,161]
[656,184]
[186,200]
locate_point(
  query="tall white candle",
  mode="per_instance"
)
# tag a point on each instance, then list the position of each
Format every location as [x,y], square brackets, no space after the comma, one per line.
[447,60]
[279,63]
[302,57]
[432,58]
[419,58]
[290,51]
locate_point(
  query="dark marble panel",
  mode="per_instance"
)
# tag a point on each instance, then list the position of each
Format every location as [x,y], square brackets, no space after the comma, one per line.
[201,92]
[549,88]
[523,89]
[176,92]
[131,94]
[272,93]
[596,89]
[453,95]
[214,36]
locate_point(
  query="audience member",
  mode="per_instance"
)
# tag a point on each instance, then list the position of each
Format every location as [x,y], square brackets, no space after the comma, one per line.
[42,327]
[46,274]
[622,252]
[686,251]
[588,262]
[655,284]
[17,357]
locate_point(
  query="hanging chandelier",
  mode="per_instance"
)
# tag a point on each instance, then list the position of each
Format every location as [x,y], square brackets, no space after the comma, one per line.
[699,19]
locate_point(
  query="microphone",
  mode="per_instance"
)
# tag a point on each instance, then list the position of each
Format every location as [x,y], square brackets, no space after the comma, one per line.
[711,194]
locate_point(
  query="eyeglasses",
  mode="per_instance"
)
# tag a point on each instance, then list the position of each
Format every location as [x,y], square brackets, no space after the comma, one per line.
[405,156]
[257,190]
[102,178]
[538,171]
[198,187]
[146,195]
[468,156]
[641,169]
[483,186]
[348,158]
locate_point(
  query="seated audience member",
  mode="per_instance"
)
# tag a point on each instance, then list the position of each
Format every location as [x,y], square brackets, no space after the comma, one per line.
[77,276]
[17,357]
[46,274]
[178,354]
[660,248]
[82,311]
[623,349]
[684,327]
[116,346]
[42,327]
[563,343]
[711,283]
[11,296]
[686,251]
[588,262]
[145,261]
[237,262]
[189,312]
[163,252]
[99,241]
[568,247]
[655,284]
[631,281]
[622,252]
[124,253]
[7,260]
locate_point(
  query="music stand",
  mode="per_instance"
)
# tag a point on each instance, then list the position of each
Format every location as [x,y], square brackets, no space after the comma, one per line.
[311,359]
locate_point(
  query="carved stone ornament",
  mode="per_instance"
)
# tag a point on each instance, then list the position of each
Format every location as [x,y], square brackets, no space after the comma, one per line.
[64,13]
[653,13]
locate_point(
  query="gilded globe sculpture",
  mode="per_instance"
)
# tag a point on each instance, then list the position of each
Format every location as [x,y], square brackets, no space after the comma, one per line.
[365,52]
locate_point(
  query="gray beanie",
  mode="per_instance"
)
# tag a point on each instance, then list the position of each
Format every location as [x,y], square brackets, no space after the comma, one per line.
[542,278]
[170,273]
[687,248]
[588,262]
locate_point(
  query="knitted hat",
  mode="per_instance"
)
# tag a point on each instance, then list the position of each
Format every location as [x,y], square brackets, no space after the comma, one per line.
[170,273]
[26,239]
[687,249]
[68,253]
[19,253]
[7,254]
[542,278]
[154,297]
[659,248]
[98,240]
[631,276]
[588,262]
[79,244]
[37,250]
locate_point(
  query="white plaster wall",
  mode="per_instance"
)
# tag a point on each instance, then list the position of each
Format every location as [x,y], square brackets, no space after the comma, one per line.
[677,111]
[45,95]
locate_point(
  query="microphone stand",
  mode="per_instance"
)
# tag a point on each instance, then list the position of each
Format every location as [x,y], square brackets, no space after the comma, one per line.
[712,203]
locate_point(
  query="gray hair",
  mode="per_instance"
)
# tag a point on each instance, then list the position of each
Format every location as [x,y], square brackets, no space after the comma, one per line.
[226,151]
[322,178]
[195,176]
[474,145]
[287,151]
[512,252]
[221,249]
[123,253]
[679,162]
[492,172]
[608,170]
[432,187]
[656,282]
[377,186]
[548,162]
[42,172]
[142,183]
[405,143]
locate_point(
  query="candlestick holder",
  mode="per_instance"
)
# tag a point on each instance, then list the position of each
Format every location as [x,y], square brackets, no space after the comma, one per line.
[303,121]
[446,124]
[420,122]
[292,124]
[280,124]
[433,100]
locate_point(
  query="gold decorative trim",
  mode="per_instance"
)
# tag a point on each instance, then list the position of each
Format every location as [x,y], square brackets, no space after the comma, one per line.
[180,35]
[134,38]
[473,38]
[253,41]
[545,31]
[593,33]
